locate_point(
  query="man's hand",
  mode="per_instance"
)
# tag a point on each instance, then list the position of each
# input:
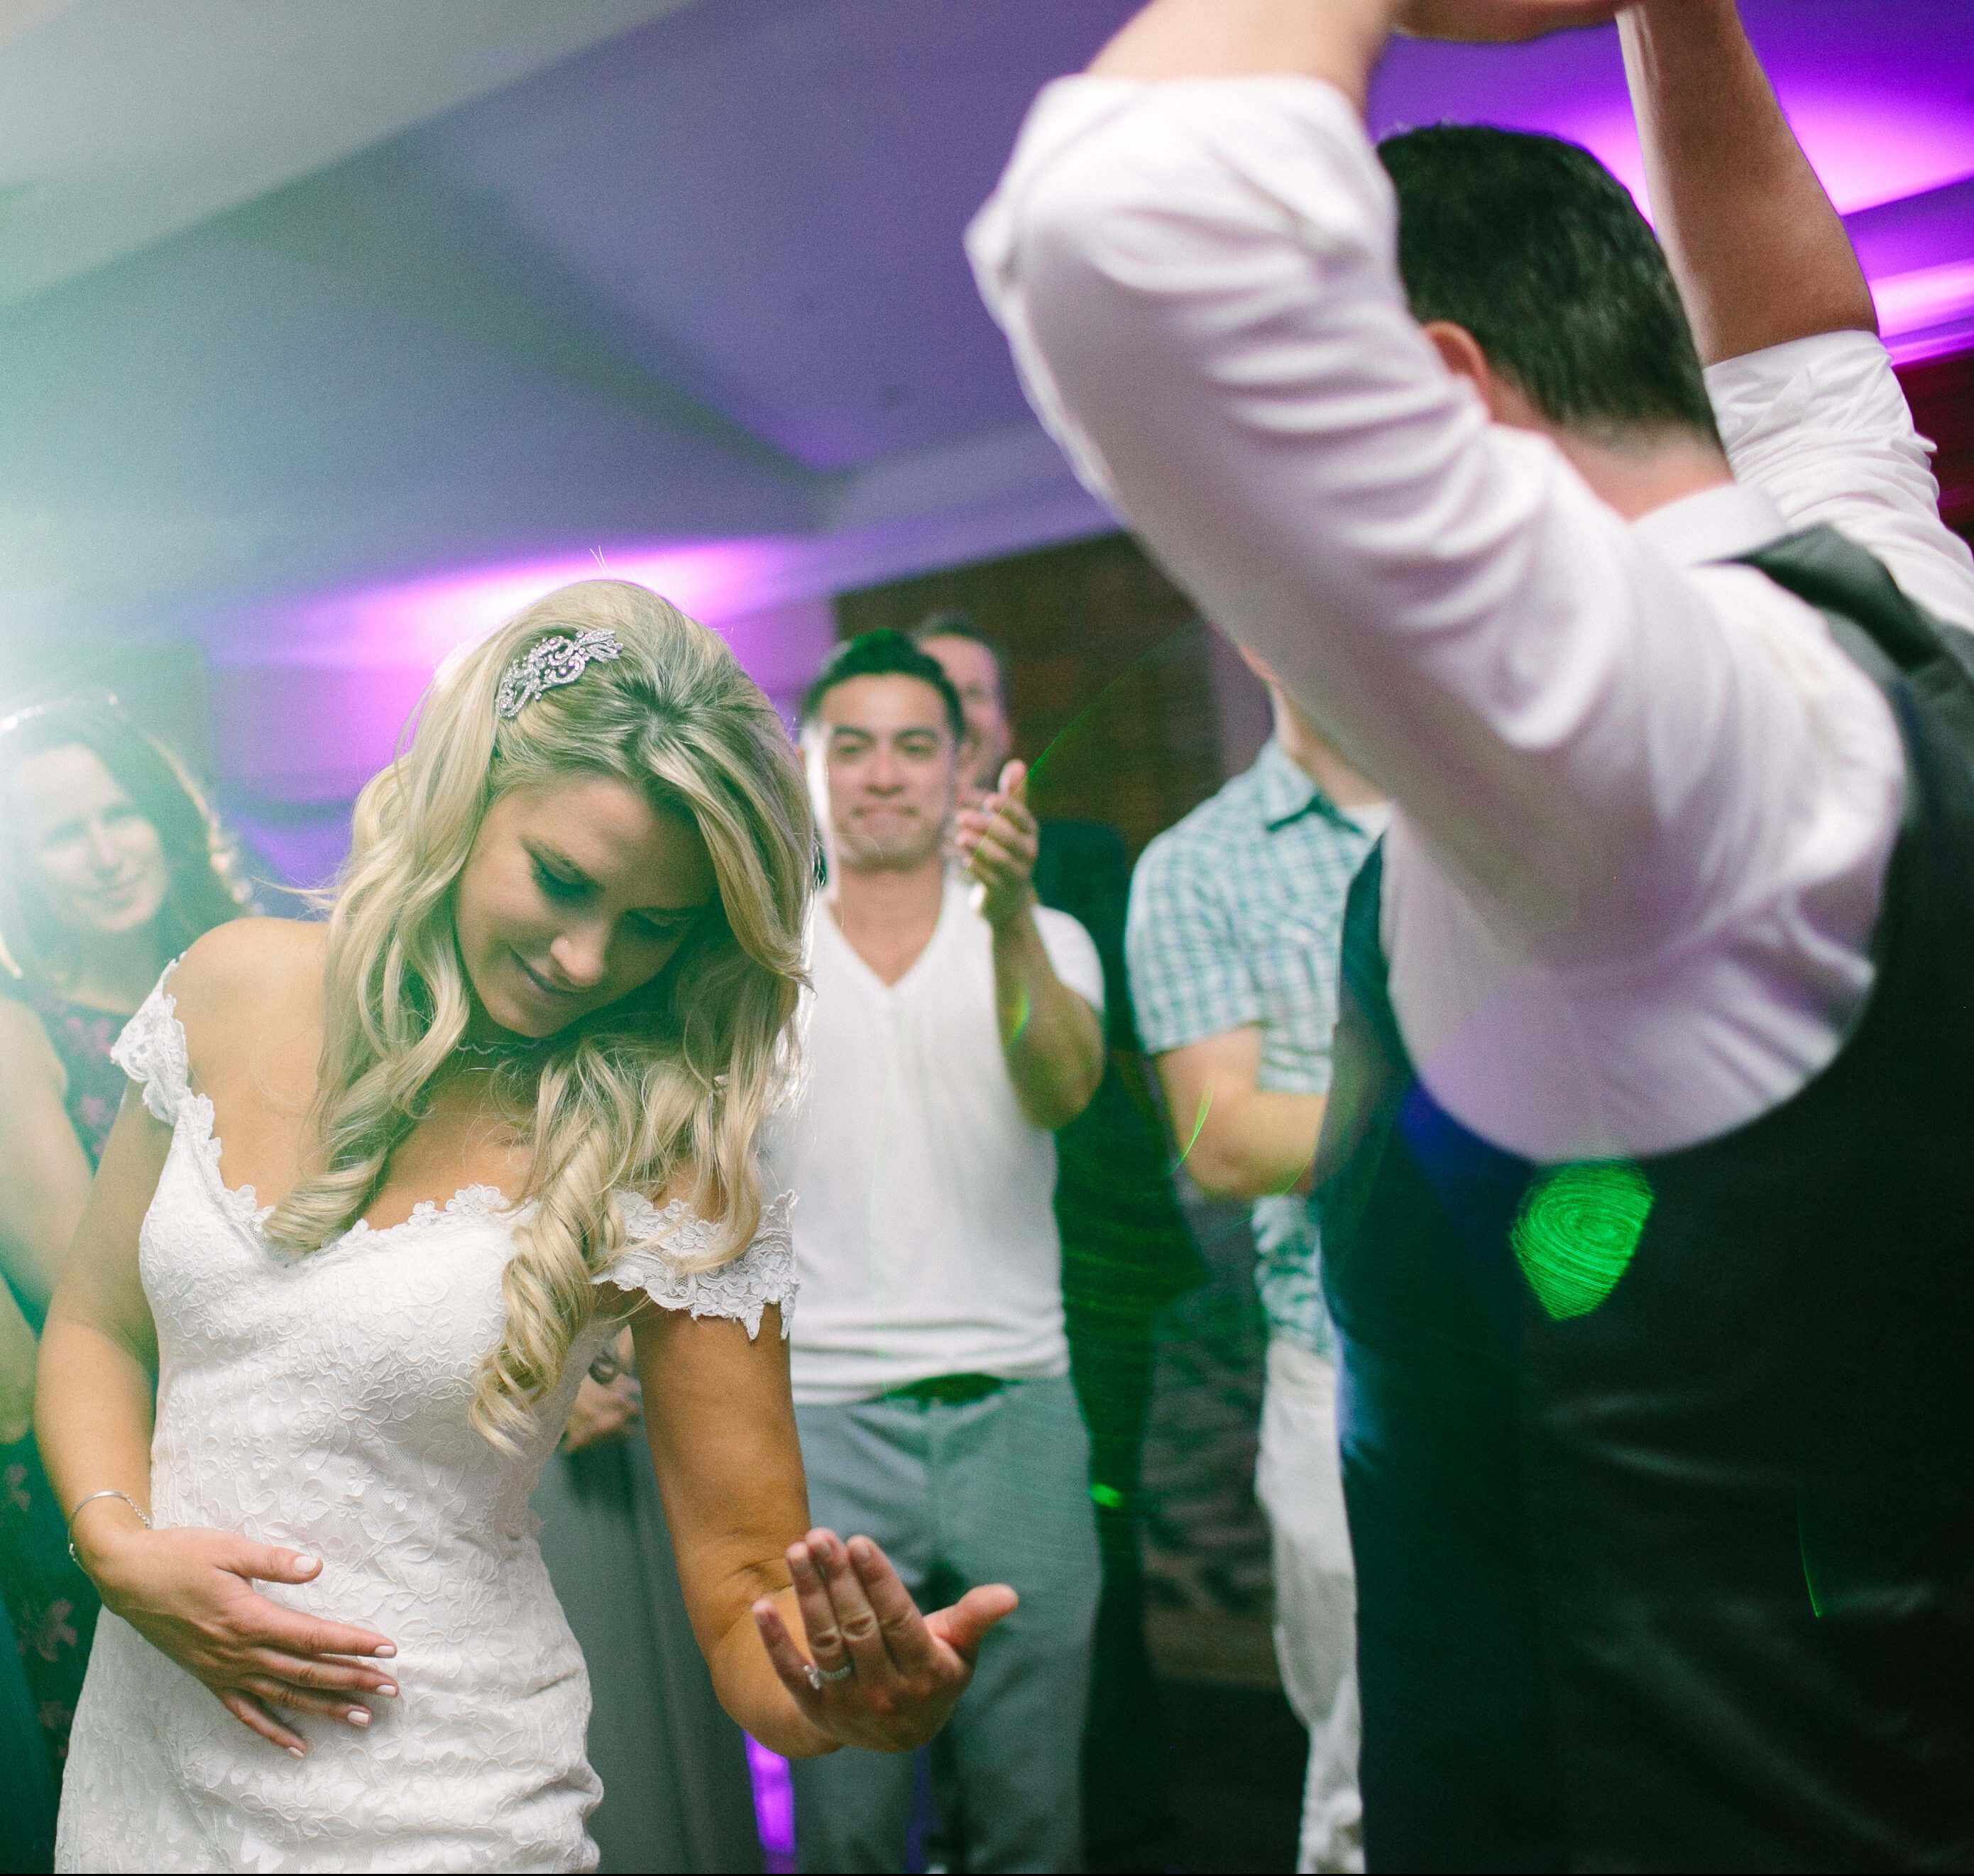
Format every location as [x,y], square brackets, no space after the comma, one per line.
[998,841]
[1495,20]
[609,1399]
[600,1412]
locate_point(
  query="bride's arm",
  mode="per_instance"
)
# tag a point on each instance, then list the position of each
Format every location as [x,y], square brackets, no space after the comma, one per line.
[188,1592]
[759,1583]
[93,1396]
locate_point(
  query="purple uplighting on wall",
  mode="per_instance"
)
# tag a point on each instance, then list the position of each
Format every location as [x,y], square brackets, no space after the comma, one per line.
[1869,147]
[422,619]
[1879,96]
[1876,153]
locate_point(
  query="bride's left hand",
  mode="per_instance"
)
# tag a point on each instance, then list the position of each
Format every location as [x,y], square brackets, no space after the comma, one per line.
[908,1669]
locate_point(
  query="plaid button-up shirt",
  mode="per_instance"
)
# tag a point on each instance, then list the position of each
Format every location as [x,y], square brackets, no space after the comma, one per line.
[1236,919]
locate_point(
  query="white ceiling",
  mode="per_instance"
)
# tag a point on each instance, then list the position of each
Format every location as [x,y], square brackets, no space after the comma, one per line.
[123,121]
[300,299]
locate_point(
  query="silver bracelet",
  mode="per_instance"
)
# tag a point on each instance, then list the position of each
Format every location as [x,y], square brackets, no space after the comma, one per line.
[112,1493]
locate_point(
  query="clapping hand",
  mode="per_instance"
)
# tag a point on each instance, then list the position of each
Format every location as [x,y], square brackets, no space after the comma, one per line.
[608,1400]
[998,841]
[601,1411]
[880,1674]
[1499,20]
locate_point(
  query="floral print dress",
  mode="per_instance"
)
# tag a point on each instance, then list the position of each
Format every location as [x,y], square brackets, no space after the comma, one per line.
[49,1603]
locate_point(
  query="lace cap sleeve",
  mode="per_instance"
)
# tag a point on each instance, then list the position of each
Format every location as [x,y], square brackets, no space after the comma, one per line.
[152,1052]
[657,1244]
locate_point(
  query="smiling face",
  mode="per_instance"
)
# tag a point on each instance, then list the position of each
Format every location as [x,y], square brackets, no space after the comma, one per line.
[575,894]
[883,768]
[99,860]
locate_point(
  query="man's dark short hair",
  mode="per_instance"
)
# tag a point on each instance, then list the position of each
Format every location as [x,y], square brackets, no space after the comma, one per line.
[957,624]
[1538,250]
[884,653]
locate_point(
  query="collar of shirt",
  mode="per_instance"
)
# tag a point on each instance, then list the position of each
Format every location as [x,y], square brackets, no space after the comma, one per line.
[1287,793]
[1715,524]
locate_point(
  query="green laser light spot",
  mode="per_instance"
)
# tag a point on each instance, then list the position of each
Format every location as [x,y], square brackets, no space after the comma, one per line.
[1578,1228]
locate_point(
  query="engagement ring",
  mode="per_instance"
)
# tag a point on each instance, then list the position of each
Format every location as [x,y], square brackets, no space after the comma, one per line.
[818,1676]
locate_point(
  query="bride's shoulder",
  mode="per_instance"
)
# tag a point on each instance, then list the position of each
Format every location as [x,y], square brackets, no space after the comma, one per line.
[232,983]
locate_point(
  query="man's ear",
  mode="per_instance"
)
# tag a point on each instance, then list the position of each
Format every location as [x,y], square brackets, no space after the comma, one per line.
[1460,352]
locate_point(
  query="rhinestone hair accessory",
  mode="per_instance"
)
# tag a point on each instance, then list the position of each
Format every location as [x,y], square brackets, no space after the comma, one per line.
[550,663]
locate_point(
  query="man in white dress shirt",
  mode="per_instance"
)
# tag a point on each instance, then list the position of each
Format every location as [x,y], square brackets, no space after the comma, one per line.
[1640,1234]
[952,1025]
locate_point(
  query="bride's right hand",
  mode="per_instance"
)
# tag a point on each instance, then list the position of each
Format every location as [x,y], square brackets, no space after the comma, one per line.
[191,1594]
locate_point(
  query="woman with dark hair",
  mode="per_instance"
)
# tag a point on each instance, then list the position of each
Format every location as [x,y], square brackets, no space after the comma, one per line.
[110,864]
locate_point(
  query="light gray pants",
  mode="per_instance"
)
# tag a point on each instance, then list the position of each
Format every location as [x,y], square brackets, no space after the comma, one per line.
[995,1491]
[1299,1481]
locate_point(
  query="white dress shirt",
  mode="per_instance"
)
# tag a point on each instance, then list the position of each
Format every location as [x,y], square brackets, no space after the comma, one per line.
[1645,804]
[924,1223]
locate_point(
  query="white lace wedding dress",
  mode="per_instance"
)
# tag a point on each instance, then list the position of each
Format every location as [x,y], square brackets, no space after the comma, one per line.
[320,1401]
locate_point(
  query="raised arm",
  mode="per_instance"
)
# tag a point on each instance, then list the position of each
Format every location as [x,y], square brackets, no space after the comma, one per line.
[1050,1036]
[1759,253]
[1199,281]
[1809,406]
[1339,41]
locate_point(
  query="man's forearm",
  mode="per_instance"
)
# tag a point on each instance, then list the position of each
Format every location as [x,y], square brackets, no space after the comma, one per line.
[1251,1142]
[1050,1036]
[1760,254]
[1339,41]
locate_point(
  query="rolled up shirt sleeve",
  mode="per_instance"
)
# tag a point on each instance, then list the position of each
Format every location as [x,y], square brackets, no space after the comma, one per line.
[1189,977]
[1823,427]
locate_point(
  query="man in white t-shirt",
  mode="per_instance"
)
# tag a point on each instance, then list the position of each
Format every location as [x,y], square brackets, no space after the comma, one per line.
[953,1024]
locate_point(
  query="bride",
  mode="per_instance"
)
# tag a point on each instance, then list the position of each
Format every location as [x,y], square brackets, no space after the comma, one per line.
[505,1102]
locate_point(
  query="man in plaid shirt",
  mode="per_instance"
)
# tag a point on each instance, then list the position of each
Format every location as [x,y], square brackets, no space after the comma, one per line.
[1233,941]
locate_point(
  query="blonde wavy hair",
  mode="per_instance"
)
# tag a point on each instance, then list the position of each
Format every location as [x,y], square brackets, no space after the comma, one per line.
[673,1080]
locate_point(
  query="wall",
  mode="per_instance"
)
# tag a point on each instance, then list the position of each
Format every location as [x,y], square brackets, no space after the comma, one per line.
[1115,685]
[1941,391]
[1135,709]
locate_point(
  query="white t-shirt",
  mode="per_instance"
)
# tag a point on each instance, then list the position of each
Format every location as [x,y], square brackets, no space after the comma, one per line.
[925,1233]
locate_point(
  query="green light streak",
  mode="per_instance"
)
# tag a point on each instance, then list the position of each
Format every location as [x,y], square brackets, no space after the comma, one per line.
[1024,1008]
[1809,1583]
[1578,1228]
[1199,1125]
[1082,717]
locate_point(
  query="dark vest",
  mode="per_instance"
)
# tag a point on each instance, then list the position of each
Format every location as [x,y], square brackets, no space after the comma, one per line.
[1660,1475]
